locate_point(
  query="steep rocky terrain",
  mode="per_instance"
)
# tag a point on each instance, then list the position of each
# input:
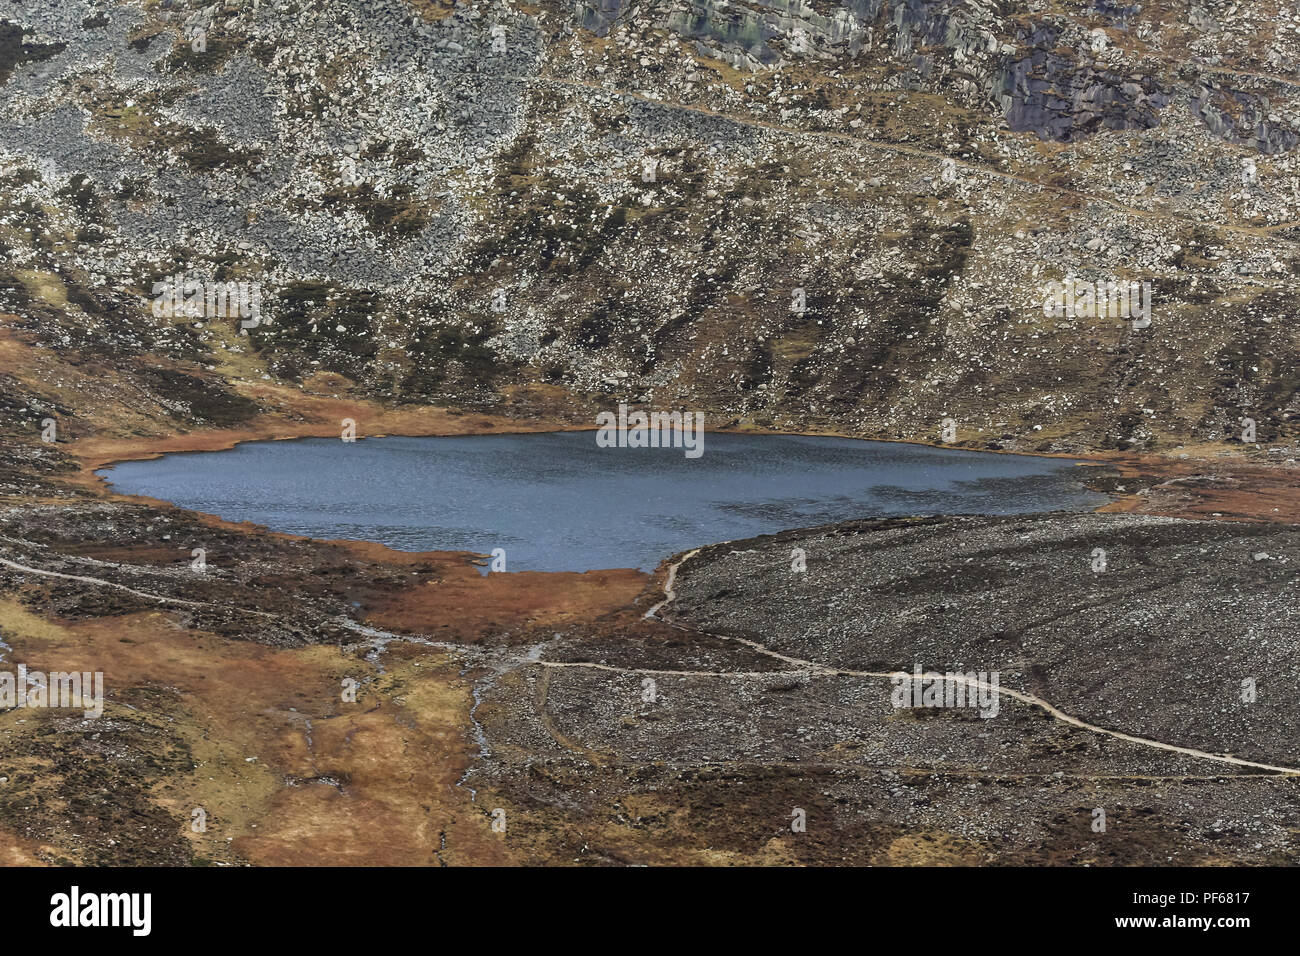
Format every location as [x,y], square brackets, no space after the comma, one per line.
[513,205]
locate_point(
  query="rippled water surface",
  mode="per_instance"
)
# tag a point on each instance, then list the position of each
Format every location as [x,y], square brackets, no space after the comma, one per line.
[557,502]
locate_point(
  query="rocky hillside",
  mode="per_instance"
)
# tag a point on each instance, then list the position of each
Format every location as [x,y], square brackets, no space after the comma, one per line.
[823,215]
[255,219]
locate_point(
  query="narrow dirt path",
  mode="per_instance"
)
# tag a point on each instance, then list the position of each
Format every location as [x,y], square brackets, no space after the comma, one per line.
[798,664]
[163,599]
[669,594]
[815,668]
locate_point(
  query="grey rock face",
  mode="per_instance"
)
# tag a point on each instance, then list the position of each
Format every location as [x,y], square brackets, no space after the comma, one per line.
[920,168]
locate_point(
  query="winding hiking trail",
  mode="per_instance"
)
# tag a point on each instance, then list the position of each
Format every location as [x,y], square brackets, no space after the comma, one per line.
[161,598]
[797,664]
[669,594]
[814,668]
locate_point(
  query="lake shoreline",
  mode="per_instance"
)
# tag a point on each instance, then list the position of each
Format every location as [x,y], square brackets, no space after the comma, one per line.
[462,665]
[557,501]
[303,415]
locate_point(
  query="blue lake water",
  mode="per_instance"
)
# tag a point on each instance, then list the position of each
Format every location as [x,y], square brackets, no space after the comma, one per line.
[557,502]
